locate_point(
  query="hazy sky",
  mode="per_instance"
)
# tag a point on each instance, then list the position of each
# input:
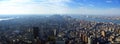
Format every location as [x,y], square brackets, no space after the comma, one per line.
[60,7]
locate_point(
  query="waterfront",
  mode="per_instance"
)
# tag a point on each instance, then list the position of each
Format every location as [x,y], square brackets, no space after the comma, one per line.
[81,17]
[87,18]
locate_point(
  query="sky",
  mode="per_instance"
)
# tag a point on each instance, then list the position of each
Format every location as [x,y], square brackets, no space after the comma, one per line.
[96,7]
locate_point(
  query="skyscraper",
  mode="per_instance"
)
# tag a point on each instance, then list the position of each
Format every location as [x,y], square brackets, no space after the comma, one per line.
[36,35]
[35,32]
[103,33]
[89,40]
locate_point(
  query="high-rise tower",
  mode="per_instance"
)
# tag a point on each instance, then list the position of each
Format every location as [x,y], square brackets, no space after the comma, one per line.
[35,32]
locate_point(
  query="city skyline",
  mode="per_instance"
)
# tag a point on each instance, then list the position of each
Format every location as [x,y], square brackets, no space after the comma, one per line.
[93,7]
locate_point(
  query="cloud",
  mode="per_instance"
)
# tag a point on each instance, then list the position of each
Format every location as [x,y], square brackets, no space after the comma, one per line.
[109,11]
[30,7]
[91,5]
[20,1]
[109,1]
[49,7]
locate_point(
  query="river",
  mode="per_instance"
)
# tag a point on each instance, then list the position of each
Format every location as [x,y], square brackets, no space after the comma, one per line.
[96,19]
